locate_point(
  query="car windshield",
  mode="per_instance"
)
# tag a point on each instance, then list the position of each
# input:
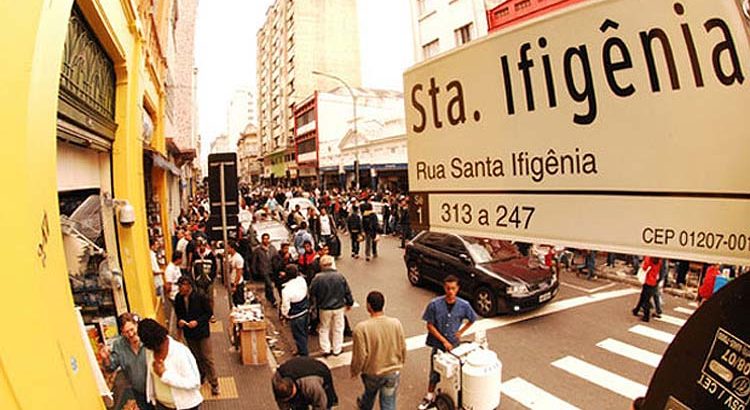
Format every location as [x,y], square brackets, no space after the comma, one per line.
[490,250]
[276,232]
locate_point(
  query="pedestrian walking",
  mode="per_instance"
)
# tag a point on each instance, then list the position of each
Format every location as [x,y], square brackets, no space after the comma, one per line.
[204,269]
[171,274]
[172,376]
[193,314]
[651,267]
[295,306]
[236,278]
[370,228]
[302,236]
[332,296]
[354,224]
[304,382]
[262,265]
[378,355]
[129,355]
[448,317]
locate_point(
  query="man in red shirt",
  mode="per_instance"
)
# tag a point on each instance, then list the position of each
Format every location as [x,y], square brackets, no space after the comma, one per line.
[652,266]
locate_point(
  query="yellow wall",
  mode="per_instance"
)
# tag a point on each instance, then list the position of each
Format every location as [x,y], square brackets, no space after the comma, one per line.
[42,356]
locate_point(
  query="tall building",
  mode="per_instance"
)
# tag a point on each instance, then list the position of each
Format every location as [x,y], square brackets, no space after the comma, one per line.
[248,153]
[222,143]
[297,38]
[327,146]
[240,112]
[440,25]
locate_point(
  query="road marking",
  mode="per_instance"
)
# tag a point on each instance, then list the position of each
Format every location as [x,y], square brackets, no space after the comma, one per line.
[533,397]
[418,341]
[652,333]
[693,304]
[684,310]
[582,289]
[630,351]
[671,320]
[603,378]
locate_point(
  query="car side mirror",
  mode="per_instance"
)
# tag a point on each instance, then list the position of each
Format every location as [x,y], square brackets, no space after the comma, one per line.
[465,259]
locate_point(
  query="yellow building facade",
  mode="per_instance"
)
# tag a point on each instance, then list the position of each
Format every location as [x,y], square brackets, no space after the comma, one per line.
[43,356]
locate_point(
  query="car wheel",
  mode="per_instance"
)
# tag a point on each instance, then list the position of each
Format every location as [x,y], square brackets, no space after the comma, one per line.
[485,302]
[413,273]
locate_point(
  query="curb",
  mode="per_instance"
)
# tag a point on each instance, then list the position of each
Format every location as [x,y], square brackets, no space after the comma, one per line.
[619,276]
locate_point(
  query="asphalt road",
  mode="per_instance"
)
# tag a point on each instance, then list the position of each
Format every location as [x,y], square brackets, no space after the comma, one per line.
[584,349]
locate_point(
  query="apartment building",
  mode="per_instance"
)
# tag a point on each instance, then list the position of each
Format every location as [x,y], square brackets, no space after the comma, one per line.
[241,112]
[440,25]
[297,38]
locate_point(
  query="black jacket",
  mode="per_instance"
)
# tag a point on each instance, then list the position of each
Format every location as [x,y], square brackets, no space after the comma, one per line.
[330,290]
[354,223]
[199,309]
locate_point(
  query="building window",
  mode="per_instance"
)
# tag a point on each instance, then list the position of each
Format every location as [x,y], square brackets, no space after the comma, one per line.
[425,6]
[430,49]
[463,34]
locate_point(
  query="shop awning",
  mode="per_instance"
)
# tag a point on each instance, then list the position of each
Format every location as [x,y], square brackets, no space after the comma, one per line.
[162,162]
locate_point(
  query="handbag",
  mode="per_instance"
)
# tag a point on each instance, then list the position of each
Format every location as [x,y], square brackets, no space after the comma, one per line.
[642,274]
[360,237]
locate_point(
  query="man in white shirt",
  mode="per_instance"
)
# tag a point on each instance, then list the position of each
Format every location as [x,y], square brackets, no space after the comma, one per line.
[294,306]
[236,268]
[182,247]
[153,245]
[327,227]
[172,376]
[171,274]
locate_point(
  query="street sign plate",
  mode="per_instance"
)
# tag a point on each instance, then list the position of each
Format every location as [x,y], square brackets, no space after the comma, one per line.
[617,121]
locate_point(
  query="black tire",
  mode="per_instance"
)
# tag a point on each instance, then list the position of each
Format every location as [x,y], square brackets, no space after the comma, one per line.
[414,274]
[485,302]
[444,402]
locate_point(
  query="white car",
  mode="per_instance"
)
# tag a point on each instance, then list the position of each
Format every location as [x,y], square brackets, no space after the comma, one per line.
[304,204]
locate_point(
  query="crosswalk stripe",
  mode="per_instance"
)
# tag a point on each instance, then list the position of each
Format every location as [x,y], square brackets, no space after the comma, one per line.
[652,333]
[671,320]
[603,378]
[684,310]
[532,397]
[630,351]
[693,304]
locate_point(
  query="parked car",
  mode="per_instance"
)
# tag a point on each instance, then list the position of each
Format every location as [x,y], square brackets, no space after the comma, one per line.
[278,232]
[493,274]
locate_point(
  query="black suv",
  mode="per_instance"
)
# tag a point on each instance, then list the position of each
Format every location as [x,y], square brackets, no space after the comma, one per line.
[494,276]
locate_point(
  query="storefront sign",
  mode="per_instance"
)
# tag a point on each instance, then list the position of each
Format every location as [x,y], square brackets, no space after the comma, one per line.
[626,133]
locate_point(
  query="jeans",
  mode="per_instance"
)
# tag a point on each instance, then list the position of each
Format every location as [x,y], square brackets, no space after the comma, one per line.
[331,321]
[355,243]
[299,332]
[386,385]
[644,302]
[371,246]
[201,349]
[268,288]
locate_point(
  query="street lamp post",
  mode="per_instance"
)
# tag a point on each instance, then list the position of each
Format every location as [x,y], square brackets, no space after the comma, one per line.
[354,122]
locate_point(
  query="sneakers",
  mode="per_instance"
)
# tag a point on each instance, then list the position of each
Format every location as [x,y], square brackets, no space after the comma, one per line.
[426,403]
[657,315]
[326,354]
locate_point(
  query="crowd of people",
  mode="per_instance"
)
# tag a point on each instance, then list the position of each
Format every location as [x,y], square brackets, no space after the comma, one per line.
[166,365]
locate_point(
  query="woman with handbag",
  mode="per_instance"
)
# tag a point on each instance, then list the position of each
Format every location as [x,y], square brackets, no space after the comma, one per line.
[649,272]
[354,224]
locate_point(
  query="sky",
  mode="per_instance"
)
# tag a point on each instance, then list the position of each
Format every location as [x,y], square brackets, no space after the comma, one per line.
[225,47]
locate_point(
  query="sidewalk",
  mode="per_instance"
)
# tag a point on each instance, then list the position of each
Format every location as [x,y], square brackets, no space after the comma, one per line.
[242,387]
[624,273]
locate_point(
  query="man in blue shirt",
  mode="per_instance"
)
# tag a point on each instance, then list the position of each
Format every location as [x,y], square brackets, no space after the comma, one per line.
[448,317]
